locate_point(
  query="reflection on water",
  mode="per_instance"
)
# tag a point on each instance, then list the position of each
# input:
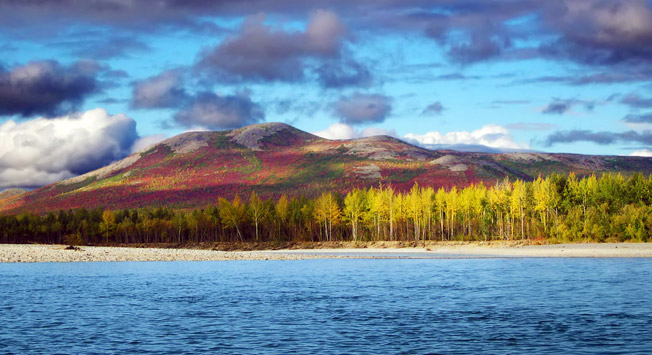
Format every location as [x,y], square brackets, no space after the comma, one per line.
[329,306]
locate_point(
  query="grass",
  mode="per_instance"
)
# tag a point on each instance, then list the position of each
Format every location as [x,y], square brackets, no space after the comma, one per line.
[255,164]
[405,175]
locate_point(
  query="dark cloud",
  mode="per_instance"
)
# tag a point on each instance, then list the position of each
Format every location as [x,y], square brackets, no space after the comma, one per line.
[44,18]
[562,106]
[432,18]
[635,101]
[640,118]
[213,111]
[435,108]
[623,75]
[363,108]
[165,90]
[115,74]
[261,52]
[479,48]
[602,138]
[601,32]
[343,73]
[558,107]
[47,87]
[456,76]
[111,100]
[587,31]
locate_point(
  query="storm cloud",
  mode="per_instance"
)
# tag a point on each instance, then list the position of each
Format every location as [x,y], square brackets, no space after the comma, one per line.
[46,87]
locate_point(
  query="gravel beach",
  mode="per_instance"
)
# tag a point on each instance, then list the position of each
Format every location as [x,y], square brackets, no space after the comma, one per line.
[11,253]
[472,250]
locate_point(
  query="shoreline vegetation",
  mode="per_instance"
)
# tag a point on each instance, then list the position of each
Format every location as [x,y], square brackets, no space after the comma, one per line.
[554,209]
[30,253]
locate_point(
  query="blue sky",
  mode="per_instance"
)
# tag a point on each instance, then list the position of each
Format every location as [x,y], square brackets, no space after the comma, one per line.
[556,76]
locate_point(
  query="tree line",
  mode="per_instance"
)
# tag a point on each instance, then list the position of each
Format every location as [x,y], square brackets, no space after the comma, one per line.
[563,208]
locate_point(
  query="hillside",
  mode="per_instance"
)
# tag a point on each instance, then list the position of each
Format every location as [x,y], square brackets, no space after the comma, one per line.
[194,169]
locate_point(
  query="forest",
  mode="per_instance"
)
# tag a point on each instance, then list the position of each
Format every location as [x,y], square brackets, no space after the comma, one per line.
[557,208]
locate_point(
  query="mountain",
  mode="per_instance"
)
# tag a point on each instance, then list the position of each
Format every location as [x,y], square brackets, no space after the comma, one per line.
[8,195]
[194,169]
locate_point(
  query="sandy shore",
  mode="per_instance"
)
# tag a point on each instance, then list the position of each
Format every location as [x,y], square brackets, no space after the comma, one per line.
[10,253]
[13,253]
[584,250]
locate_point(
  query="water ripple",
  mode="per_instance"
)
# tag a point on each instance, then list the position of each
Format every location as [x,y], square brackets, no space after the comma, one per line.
[445,306]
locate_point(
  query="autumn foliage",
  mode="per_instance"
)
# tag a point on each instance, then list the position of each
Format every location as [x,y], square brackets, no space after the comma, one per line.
[559,208]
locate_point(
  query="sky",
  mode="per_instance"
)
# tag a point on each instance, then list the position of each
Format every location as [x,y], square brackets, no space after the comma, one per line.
[87,82]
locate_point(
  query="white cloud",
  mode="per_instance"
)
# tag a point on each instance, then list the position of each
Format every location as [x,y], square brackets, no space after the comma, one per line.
[642,153]
[146,142]
[491,135]
[42,151]
[345,131]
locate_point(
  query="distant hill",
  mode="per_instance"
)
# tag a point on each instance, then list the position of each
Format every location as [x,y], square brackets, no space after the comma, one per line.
[7,195]
[194,169]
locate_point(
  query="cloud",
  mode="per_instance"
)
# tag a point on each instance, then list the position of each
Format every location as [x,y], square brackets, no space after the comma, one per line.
[100,45]
[558,107]
[623,75]
[143,143]
[456,76]
[345,131]
[530,126]
[641,153]
[491,135]
[259,52]
[42,151]
[481,46]
[165,90]
[563,106]
[601,137]
[198,111]
[594,32]
[343,73]
[638,118]
[46,88]
[589,31]
[635,101]
[435,108]
[601,32]
[362,108]
[213,111]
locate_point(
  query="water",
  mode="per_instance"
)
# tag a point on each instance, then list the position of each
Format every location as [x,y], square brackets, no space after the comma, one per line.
[329,306]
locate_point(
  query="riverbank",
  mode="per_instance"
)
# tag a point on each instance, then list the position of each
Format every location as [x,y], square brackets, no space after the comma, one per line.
[492,250]
[10,253]
[16,253]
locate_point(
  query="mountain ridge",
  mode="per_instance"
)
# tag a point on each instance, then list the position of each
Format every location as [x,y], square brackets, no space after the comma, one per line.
[193,169]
